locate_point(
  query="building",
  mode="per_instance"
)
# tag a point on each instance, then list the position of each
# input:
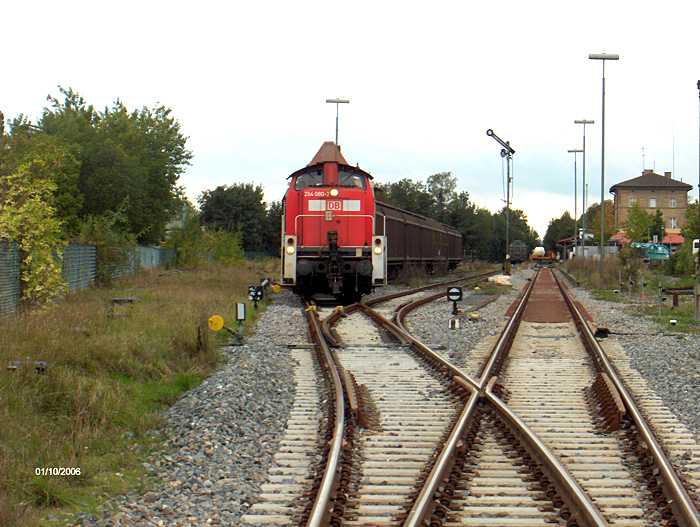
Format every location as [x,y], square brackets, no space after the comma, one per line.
[653,192]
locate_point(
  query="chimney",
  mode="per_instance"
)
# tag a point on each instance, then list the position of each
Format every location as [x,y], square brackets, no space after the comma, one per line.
[668,175]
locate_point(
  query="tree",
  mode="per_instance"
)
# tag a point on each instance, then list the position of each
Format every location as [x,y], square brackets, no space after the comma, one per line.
[407,195]
[593,214]
[558,229]
[689,230]
[483,233]
[129,161]
[517,228]
[656,226]
[28,217]
[273,229]
[237,208]
[184,235]
[442,188]
[684,260]
[45,159]
[482,241]
[637,225]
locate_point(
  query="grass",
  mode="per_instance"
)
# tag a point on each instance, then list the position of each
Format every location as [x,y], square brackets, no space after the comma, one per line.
[490,288]
[587,272]
[110,370]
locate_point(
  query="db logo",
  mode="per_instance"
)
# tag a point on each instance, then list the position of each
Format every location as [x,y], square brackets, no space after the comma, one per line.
[334,205]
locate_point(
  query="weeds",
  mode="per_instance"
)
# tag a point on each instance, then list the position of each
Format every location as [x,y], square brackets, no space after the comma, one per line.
[412,276]
[617,276]
[107,378]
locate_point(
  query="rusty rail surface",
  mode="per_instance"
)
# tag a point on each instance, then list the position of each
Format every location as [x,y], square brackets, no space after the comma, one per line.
[683,507]
[321,510]
[580,503]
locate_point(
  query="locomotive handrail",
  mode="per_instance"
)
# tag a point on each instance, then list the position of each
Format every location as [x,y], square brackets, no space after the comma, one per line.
[683,506]
[297,227]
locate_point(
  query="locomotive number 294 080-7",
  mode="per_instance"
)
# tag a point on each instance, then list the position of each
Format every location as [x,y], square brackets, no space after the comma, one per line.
[315,193]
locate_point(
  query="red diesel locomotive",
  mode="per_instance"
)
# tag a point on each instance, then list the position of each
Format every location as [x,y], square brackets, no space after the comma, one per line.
[337,239]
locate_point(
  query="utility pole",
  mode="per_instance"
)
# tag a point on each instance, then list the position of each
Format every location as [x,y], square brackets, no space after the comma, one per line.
[696,296]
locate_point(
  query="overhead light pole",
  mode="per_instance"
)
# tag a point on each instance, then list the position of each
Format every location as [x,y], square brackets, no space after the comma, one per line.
[603,57]
[337,103]
[584,122]
[696,296]
[575,151]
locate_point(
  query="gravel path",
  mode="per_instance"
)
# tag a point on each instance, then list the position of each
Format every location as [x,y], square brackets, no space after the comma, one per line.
[222,435]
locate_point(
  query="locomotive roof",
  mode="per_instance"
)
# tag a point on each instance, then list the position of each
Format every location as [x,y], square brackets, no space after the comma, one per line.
[327,154]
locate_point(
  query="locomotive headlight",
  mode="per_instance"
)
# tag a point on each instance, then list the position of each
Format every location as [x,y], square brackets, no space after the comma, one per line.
[378,249]
[334,192]
[290,249]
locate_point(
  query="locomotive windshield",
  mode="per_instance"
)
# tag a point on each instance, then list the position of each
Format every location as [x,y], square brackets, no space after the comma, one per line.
[309,179]
[348,179]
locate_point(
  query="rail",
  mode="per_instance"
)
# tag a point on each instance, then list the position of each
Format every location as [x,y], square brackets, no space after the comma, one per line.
[683,507]
[321,509]
[565,484]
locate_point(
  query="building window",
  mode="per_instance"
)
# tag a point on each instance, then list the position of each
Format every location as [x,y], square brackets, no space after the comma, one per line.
[672,203]
[633,201]
[652,203]
[672,224]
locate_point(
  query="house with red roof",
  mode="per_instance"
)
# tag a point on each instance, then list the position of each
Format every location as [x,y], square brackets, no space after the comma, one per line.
[653,192]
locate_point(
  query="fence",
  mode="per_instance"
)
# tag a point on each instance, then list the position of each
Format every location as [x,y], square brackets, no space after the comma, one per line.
[9,278]
[80,268]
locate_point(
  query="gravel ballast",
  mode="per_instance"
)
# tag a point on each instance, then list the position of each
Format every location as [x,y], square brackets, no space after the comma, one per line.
[221,436]
[669,362]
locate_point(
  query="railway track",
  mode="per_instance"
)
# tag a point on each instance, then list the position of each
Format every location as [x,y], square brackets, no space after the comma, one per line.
[299,461]
[538,430]
[415,412]
[597,470]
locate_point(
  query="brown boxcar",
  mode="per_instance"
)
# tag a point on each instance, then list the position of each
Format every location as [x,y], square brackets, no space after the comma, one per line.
[413,239]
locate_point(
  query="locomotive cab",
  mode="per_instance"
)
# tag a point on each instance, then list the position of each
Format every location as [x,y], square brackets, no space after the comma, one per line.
[328,242]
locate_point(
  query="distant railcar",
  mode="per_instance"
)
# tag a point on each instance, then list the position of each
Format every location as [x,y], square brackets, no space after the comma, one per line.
[337,239]
[519,251]
[540,255]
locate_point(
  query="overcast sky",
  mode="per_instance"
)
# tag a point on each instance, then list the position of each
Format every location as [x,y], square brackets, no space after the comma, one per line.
[248,83]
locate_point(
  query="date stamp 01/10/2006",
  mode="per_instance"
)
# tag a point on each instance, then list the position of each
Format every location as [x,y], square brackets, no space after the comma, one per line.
[57,471]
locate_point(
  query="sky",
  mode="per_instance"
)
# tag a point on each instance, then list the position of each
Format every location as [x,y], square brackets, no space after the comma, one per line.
[248,82]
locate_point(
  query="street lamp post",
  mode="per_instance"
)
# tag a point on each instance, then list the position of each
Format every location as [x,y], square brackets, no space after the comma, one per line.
[575,151]
[337,103]
[584,122]
[603,57]
[696,296]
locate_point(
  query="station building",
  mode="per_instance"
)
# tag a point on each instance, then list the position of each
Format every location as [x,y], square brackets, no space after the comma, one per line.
[653,192]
